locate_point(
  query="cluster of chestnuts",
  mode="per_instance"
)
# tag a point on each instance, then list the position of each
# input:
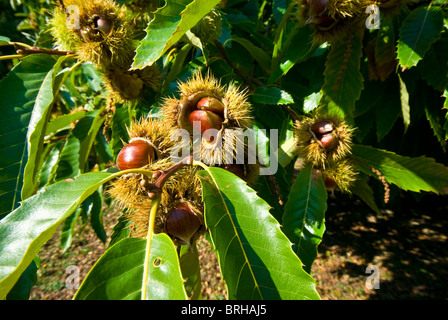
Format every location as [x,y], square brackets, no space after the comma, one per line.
[209,114]
[203,104]
[325,142]
[106,37]
[332,19]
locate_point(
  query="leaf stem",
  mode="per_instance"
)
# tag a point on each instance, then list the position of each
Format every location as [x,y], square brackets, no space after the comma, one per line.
[23,49]
[152,217]
[162,176]
[12,56]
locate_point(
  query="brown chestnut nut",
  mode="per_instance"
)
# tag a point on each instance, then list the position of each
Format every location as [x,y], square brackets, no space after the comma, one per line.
[207,119]
[325,133]
[316,13]
[330,184]
[103,24]
[322,127]
[211,104]
[329,141]
[136,154]
[182,223]
[316,7]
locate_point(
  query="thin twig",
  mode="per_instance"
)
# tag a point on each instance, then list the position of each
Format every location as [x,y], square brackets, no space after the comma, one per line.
[162,176]
[22,50]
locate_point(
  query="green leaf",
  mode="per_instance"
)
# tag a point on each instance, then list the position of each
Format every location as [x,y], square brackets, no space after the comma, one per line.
[90,208]
[287,151]
[292,53]
[343,79]
[118,273]
[26,229]
[413,174]
[191,271]
[255,257]
[47,171]
[120,231]
[170,23]
[37,128]
[405,108]
[74,155]
[120,122]
[278,9]
[274,189]
[22,288]
[433,105]
[362,189]
[434,67]
[388,110]
[4,41]
[68,165]
[95,211]
[63,122]
[421,28]
[304,216]
[103,150]
[178,63]
[382,61]
[68,229]
[257,53]
[271,95]
[18,94]
[311,102]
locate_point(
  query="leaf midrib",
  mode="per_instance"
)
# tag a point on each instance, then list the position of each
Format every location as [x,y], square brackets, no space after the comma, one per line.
[257,286]
[304,214]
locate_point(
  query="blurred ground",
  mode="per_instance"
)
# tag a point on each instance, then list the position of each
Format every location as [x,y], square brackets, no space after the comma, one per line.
[408,244]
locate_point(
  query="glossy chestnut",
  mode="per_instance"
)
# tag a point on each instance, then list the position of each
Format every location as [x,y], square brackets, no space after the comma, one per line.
[136,154]
[182,223]
[211,104]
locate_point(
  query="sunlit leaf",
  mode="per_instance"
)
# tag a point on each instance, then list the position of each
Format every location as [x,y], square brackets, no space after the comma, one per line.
[170,23]
[421,28]
[304,216]
[118,274]
[249,242]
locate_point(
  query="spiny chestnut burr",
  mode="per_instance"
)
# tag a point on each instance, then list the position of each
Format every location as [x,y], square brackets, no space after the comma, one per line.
[211,104]
[136,154]
[207,119]
[182,223]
